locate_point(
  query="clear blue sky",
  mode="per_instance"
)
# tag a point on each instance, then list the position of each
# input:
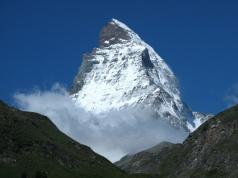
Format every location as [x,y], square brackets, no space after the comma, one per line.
[41,42]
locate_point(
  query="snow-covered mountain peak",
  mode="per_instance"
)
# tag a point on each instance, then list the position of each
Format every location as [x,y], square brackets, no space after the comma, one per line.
[123,26]
[124,71]
[200,118]
[116,32]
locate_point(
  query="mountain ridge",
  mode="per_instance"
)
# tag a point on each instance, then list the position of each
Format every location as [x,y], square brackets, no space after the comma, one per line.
[32,146]
[210,151]
[125,71]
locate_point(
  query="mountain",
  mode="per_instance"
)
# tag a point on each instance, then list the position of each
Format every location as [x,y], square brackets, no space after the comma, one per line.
[123,72]
[32,146]
[210,151]
[143,161]
[200,118]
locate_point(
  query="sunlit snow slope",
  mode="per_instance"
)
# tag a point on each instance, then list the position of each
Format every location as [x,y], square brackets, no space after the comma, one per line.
[124,71]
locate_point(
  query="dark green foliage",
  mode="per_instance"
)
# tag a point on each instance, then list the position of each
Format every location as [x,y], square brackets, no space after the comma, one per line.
[24,175]
[40,174]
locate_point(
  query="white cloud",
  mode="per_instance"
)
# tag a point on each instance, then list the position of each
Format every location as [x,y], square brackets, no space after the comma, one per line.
[112,135]
[232,95]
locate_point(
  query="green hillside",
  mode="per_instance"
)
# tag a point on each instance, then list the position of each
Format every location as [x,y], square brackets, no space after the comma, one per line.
[31,146]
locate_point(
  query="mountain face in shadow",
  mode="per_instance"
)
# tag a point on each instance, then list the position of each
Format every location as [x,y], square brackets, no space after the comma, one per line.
[32,147]
[210,151]
[143,162]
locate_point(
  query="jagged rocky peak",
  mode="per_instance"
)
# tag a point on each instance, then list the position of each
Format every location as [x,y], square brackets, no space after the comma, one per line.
[200,118]
[115,32]
[124,71]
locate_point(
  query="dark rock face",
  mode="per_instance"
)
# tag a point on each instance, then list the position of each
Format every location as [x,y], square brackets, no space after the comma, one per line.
[112,33]
[32,146]
[86,67]
[210,151]
[146,59]
[142,162]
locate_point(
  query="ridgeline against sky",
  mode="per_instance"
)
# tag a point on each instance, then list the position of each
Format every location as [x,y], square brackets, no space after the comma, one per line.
[43,42]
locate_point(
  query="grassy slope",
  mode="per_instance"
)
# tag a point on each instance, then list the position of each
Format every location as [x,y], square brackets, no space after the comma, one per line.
[31,143]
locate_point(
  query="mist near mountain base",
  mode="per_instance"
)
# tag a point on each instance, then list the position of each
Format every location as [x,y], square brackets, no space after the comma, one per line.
[112,135]
[231,96]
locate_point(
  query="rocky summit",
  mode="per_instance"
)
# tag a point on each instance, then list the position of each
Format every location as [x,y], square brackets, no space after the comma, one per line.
[124,71]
